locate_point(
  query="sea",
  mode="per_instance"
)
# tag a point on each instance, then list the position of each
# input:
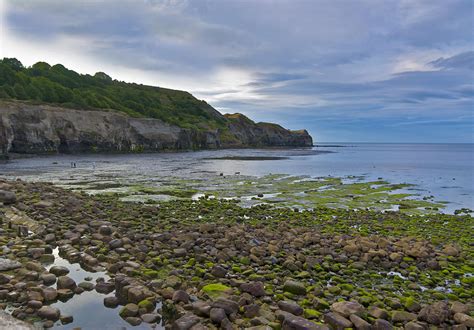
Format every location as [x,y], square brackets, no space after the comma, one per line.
[445,171]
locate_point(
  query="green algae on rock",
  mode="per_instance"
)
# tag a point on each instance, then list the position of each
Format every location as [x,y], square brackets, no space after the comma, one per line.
[282,190]
[214,249]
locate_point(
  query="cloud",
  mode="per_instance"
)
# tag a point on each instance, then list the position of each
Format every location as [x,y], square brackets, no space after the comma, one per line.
[300,63]
[460,61]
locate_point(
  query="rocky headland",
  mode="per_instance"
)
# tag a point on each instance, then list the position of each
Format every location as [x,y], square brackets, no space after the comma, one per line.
[27,128]
[211,264]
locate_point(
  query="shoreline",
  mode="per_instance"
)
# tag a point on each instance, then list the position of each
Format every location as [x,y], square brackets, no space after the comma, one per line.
[279,267]
[167,151]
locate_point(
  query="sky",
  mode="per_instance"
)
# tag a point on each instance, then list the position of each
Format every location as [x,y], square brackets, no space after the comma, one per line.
[352,71]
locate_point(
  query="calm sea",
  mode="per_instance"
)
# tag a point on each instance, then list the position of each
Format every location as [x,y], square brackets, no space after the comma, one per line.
[443,170]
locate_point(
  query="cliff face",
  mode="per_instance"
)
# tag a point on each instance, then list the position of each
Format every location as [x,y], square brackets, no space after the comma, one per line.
[26,128]
[249,133]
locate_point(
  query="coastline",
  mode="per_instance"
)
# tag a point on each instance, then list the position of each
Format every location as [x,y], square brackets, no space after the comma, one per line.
[157,257]
[12,156]
[44,129]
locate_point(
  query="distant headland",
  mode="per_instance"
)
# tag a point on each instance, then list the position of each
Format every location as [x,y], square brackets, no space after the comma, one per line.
[51,109]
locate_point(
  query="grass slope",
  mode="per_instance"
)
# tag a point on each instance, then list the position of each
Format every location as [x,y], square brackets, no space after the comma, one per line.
[56,84]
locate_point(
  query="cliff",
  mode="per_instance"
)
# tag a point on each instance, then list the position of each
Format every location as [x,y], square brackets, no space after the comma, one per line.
[29,128]
[248,133]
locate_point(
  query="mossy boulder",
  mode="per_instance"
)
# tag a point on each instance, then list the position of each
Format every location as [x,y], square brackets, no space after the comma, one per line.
[147,305]
[294,287]
[312,314]
[216,290]
[129,310]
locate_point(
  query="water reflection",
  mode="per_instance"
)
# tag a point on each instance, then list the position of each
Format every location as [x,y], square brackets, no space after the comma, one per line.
[87,308]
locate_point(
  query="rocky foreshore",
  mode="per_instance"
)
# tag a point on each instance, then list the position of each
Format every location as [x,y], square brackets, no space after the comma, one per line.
[211,264]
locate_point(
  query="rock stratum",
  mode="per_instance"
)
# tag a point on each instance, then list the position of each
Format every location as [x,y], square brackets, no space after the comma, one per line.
[36,129]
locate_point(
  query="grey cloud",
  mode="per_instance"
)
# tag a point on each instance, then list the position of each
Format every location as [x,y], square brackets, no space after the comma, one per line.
[321,60]
[460,61]
[410,91]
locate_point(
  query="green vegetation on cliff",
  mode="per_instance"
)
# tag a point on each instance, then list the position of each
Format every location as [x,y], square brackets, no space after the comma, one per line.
[58,85]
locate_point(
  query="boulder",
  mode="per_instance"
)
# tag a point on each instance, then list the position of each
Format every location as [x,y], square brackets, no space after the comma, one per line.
[50,238]
[116,243]
[201,308]
[65,294]
[49,294]
[104,287]
[435,314]
[359,323]
[7,264]
[7,197]
[36,253]
[381,324]
[403,317]
[458,307]
[251,311]
[49,313]
[179,252]
[256,289]
[347,308]
[59,270]
[4,279]
[180,296]
[48,279]
[87,286]
[217,315]
[151,318]
[378,313]
[36,266]
[337,321]
[218,271]
[134,321]
[464,319]
[65,282]
[66,319]
[451,250]
[294,287]
[185,322]
[111,302]
[228,305]
[105,230]
[135,294]
[35,304]
[292,322]
[129,310]
[35,295]
[290,307]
